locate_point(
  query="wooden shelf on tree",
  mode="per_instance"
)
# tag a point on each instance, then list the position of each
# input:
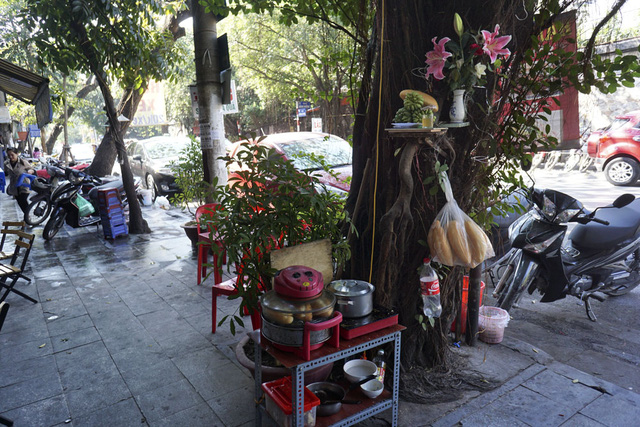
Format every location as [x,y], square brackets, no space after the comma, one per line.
[415,132]
[420,135]
[454,125]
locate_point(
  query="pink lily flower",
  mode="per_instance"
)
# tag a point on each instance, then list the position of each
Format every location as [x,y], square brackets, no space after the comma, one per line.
[437,58]
[494,45]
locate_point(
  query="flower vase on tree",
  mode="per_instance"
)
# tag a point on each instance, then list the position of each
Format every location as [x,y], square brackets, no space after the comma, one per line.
[465,63]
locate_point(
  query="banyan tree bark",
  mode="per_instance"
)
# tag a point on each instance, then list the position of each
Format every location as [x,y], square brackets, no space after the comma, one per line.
[395,208]
[391,202]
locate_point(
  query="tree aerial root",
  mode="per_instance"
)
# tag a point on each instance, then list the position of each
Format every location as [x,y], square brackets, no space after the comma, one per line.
[423,385]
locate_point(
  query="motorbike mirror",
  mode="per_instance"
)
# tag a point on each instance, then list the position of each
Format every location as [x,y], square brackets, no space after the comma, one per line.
[623,200]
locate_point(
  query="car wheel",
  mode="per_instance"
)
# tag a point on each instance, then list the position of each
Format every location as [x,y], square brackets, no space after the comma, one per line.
[151,185]
[622,171]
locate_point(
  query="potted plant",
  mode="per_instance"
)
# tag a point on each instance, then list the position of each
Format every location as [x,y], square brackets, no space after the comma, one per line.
[189,175]
[268,204]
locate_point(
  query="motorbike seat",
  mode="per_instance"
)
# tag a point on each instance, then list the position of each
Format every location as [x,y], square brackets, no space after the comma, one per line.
[93,193]
[623,225]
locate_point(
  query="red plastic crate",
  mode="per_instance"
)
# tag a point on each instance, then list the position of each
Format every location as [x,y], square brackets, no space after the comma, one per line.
[278,402]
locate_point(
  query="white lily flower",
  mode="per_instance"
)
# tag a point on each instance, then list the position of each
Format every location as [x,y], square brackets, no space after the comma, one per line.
[480,70]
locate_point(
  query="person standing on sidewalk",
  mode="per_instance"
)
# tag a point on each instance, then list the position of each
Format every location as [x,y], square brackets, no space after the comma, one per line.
[15,166]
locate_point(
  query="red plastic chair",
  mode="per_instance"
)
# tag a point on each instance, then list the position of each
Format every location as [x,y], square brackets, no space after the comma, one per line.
[204,246]
[228,288]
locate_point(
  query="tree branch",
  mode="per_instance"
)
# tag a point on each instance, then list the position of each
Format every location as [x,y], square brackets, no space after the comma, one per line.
[588,50]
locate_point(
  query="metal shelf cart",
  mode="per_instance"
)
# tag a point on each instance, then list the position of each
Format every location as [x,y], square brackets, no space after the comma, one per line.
[349,414]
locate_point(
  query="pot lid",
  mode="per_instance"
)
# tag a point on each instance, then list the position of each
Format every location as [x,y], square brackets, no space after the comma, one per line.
[348,288]
[298,281]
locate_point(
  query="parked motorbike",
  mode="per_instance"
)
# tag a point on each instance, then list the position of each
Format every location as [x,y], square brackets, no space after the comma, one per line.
[601,256]
[65,205]
[48,177]
[40,202]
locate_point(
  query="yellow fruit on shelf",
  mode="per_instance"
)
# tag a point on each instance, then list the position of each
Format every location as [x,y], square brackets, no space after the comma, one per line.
[426,98]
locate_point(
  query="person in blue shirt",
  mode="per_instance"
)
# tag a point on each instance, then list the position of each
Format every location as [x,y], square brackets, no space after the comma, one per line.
[15,166]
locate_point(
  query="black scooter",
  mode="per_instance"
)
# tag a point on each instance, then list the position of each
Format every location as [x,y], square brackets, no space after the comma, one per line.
[40,202]
[601,256]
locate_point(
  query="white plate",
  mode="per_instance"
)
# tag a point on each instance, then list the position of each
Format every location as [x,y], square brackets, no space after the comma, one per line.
[406,125]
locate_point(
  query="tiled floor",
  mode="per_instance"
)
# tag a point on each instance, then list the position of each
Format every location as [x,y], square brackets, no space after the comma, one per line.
[121,336]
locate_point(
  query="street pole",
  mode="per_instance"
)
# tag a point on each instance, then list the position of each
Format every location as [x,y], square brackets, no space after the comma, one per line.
[473,304]
[66,150]
[5,128]
[209,94]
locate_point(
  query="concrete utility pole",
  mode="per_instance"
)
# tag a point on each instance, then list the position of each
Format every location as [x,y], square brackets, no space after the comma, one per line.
[212,133]
[5,125]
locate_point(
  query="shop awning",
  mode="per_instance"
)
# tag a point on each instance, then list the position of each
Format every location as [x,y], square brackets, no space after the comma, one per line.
[27,87]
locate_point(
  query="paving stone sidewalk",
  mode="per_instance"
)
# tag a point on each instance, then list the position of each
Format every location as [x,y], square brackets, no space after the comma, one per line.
[122,337]
[122,334]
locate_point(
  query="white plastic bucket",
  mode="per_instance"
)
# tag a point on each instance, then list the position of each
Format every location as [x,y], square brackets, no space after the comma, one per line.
[491,324]
[146,197]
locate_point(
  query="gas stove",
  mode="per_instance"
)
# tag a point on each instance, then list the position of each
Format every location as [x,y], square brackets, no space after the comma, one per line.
[379,318]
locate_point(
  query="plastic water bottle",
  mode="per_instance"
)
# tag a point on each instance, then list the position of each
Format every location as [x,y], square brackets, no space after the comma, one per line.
[381,364]
[430,290]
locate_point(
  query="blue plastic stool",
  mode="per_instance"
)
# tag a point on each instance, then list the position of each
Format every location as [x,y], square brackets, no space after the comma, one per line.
[2,181]
[21,179]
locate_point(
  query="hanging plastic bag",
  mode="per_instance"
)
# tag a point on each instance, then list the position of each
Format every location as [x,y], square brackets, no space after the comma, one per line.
[84,206]
[454,238]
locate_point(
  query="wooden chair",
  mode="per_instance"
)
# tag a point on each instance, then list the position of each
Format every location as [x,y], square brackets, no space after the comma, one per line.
[6,230]
[11,271]
[204,246]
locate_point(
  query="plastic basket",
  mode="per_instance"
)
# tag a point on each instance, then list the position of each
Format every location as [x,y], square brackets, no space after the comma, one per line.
[278,402]
[491,324]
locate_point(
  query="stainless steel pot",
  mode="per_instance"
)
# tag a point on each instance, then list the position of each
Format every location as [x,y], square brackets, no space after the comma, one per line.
[291,335]
[354,298]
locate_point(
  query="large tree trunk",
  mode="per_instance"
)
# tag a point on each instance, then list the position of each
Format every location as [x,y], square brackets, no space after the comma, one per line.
[88,87]
[398,209]
[106,153]
[390,205]
[137,224]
